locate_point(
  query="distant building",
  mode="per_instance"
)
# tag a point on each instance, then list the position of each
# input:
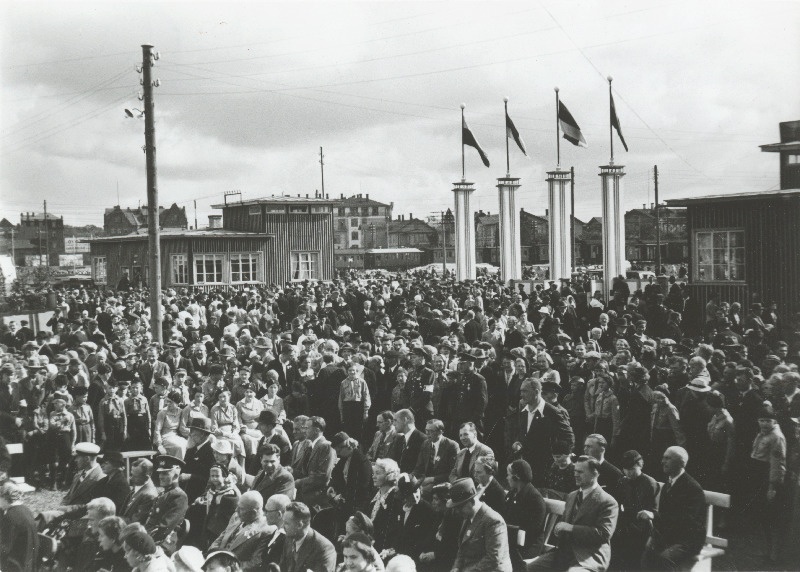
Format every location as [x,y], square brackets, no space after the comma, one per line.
[361,222]
[789,153]
[39,235]
[412,233]
[117,220]
[534,236]
[272,240]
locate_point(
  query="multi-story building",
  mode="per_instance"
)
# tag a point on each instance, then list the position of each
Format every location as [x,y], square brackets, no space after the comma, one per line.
[39,235]
[412,232]
[117,220]
[361,222]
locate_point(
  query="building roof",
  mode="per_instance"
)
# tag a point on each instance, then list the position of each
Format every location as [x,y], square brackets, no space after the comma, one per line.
[38,216]
[410,225]
[392,250]
[277,200]
[5,223]
[182,233]
[358,200]
[778,147]
[489,219]
[736,197]
[790,138]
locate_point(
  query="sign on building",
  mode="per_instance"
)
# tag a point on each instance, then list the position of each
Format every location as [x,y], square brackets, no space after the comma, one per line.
[70,259]
[75,245]
[35,260]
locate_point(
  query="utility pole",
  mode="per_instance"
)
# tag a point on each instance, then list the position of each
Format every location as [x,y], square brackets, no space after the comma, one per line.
[444,247]
[658,222]
[195,215]
[153,230]
[322,171]
[572,214]
[46,235]
[13,256]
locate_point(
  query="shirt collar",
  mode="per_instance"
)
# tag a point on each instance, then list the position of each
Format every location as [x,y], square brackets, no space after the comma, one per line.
[539,408]
[587,491]
[408,434]
[314,442]
[675,478]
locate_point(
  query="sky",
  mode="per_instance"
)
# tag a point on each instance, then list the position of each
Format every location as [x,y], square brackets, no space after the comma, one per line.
[249,92]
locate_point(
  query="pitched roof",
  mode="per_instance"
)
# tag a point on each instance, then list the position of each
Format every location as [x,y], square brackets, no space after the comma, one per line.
[276,200]
[410,225]
[736,197]
[180,233]
[358,200]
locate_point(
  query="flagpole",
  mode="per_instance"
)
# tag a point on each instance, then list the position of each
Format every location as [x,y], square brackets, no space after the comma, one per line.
[463,171]
[558,128]
[508,164]
[610,121]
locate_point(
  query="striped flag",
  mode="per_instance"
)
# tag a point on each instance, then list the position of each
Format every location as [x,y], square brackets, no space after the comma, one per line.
[467,138]
[569,126]
[615,122]
[511,131]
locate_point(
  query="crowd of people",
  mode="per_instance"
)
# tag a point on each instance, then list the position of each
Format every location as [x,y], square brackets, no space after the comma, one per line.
[396,422]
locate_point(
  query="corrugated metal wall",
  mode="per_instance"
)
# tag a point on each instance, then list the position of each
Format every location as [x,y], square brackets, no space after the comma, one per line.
[301,232]
[772,249]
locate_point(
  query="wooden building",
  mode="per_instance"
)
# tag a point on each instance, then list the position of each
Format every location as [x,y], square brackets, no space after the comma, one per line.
[396,258]
[272,240]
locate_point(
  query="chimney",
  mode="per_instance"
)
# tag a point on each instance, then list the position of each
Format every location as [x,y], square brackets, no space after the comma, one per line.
[652,206]
[214,221]
[410,216]
[644,206]
[341,196]
[546,212]
[327,195]
[306,195]
[367,196]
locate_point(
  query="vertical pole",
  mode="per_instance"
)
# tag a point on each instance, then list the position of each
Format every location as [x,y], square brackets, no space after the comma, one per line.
[13,256]
[322,171]
[558,129]
[444,247]
[195,215]
[153,230]
[658,223]
[610,122]
[463,170]
[508,164]
[572,214]
[46,235]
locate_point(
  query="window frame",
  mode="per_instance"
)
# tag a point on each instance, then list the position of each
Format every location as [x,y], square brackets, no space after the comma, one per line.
[254,258]
[174,268]
[202,257]
[313,270]
[696,252]
[95,274]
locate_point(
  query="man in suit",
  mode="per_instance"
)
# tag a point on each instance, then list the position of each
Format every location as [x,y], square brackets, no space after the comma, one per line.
[416,522]
[151,368]
[436,459]
[595,446]
[273,479]
[114,485]
[87,477]
[304,548]
[246,531]
[271,550]
[537,427]
[287,373]
[351,479]
[406,447]
[175,360]
[483,539]
[319,464]
[199,457]
[169,508]
[466,458]
[679,522]
[300,447]
[584,535]
[143,494]
[490,490]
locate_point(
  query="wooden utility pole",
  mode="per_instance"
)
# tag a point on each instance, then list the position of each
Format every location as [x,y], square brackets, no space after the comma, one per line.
[46,235]
[322,171]
[658,222]
[444,247]
[153,227]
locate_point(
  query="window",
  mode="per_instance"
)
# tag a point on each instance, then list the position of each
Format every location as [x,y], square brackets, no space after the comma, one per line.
[180,269]
[341,211]
[208,268]
[99,269]
[342,224]
[364,211]
[305,265]
[254,210]
[374,211]
[244,267]
[321,209]
[354,235]
[274,209]
[720,256]
[298,209]
[793,159]
[354,223]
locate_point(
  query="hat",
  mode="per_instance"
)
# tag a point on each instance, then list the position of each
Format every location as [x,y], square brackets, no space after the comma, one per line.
[346,348]
[466,356]
[441,490]
[407,484]
[339,439]
[630,458]
[168,462]
[268,417]
[621,322]
[446,345]
[201,424]
[479,354]
[766,412]
[393,354]
[462,491]
[80,391]
[91,346]
[699,384]
[593,355]
[189,558]
[227,351]
[87,449]
[217,553]
[551,387]
[62,360]
[123,383]
[544,310]
[421,352]
[667,342]
[113,457]
[222,446]
[216,368]
[141,542]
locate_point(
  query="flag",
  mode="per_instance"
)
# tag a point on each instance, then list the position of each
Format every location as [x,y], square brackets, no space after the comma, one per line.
[615,122]
[569,126]
[512,132]
[467,138]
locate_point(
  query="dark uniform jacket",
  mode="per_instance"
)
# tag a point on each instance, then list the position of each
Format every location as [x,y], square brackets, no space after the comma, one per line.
[167,514]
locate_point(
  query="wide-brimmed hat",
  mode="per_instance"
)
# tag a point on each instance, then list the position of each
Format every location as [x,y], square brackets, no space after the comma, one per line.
[222,446]
[462,491]
[268,417]
[699,384]
[201,424]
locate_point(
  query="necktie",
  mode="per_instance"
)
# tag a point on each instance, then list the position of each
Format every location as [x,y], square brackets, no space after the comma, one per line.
[578,503]
[465,463]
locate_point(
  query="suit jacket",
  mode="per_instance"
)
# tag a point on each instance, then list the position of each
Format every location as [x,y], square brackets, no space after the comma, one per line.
[494,495]
[527,511]
[148,373]
[81,492]
[115,487]
[138,505]
[537,441]
[480,450]
[282,482]
[182,363]
[169,510]
[18,539]
[681,515]
[319,466]
[483,544]
[415,534]
[198,465]
[438,467]
[407,454]
[271,549]
[298,460]
[357,487]
[316,554]
[593,525]
[244,542]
